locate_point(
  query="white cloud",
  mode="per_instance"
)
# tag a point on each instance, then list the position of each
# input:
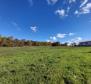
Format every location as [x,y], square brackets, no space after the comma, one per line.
[52,2]
[33,28]
[76,12]
[71,34]
[86,9]
[83,3]
[61,12]
[72,1]
[16,25]
[75,40]
[59,35]
[68,9]
[30,2]
[79,38]
[47,40]
[53,38]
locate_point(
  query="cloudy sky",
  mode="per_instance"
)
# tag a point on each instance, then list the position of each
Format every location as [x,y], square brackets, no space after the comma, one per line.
[46,20]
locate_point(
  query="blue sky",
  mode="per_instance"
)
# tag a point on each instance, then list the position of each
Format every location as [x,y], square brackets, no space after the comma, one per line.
[46,20]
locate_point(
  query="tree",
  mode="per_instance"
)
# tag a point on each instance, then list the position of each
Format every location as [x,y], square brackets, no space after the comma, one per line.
[56,44]
[11,42]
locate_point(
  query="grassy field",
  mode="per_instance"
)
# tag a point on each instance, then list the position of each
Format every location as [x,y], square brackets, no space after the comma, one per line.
[45,65]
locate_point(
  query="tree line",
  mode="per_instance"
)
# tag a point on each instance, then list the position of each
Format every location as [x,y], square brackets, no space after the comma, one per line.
[12,42]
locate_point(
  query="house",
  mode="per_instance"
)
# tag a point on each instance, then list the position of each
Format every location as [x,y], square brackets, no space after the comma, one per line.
[85,43]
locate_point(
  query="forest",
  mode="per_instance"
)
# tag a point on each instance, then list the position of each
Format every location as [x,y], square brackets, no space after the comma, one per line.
[12,42]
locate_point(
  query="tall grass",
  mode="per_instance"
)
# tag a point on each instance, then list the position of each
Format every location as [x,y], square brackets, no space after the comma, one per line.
[45,65]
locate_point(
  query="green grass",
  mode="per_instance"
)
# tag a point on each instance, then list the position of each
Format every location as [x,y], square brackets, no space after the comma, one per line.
[45,65]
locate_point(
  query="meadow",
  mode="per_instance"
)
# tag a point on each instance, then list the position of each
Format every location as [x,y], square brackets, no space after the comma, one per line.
[45,65]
